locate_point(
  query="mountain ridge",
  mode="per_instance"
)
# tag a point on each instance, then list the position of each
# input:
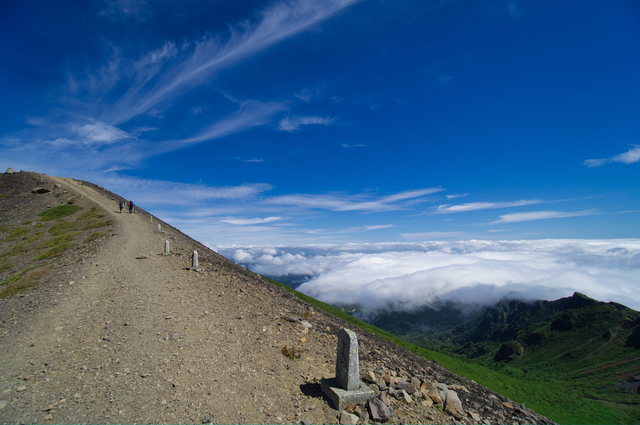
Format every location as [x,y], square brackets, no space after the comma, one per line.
[584,346]
[107,329]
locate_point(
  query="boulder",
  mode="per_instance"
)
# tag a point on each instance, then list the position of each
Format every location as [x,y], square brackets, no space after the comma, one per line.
[40,190]
[10,171]
[442,390]
[453,405]
[416,382]
[348,418]
[433,395]
[410,389]
[378,411]
[369,377]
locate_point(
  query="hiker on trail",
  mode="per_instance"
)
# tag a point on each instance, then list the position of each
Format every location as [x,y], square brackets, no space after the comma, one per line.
[131,207]
[121,205]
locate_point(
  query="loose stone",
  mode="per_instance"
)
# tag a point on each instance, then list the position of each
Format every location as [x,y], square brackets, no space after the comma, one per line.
[348,418]
[378,410]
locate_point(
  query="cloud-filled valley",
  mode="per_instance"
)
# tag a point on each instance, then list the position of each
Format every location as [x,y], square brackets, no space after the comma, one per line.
[410,275]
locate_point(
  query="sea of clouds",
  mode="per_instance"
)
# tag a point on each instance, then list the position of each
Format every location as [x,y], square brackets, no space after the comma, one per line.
[410,275]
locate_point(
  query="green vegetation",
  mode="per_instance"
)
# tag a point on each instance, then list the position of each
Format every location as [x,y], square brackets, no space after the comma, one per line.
[57,246]
[38,225]
[58,212]
[61,228]
[4,228]
[16,250]
[34,237]
[94,236]
[92,213]
[5,267]
[17,233]
[291,352]
[94,224]
[22,280]
[568,359]
[563,366]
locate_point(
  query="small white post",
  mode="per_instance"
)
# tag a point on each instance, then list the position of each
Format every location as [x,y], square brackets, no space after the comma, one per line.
[194,260]
[159,227]
[150,219]
[166,248]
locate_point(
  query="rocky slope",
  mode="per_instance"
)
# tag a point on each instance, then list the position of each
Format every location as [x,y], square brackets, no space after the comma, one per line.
[110,330]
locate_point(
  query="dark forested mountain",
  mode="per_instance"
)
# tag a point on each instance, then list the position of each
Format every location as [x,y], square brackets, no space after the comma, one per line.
[584,347]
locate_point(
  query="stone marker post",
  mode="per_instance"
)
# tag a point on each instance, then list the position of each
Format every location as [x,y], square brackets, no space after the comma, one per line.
[194,260]
[159,227]
[150,219]
[346,386]
[166,248]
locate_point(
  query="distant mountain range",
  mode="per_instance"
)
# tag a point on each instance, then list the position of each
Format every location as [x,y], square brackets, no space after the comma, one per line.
[588,349]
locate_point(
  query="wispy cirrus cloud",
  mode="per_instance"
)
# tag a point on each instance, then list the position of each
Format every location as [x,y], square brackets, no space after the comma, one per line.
[249,221]
[210,55]
[475,206]
[350,229]
[251,114]
[365,203]
[294,123]
[97,103]
[462,195]
[164,193]
[629,157]
[541,215]
[427,236]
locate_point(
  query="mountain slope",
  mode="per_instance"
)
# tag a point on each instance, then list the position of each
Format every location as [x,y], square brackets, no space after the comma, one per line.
[109,330]
[577,344]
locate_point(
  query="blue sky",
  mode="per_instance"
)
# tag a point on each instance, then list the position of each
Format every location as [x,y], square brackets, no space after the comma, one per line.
[335,121]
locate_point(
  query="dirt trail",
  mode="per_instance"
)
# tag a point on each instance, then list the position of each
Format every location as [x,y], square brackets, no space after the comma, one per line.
[144,340]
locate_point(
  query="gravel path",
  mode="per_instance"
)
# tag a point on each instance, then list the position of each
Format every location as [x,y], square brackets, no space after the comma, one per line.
[144,340]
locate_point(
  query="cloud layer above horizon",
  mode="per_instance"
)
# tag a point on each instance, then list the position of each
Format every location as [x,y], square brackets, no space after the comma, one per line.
[410,275]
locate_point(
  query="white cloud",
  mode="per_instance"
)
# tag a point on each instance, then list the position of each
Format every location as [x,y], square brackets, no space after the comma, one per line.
[540,215]
[629,157]
[426,236]
[165,193]
[303,95]
[409,275]
[457,196]
[293,123]
[99,133]
[366,202]
[246,221]
[210,55]
[88,115]
[475,206]
[251,114]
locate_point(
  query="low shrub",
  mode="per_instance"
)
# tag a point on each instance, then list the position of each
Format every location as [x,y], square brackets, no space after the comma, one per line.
[61,228]
[58,212]
[23,280]
[17,233]
[94,236]
[92,213]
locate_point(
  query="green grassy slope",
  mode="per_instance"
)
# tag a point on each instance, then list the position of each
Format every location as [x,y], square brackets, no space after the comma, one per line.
[569,359]
[569,355]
